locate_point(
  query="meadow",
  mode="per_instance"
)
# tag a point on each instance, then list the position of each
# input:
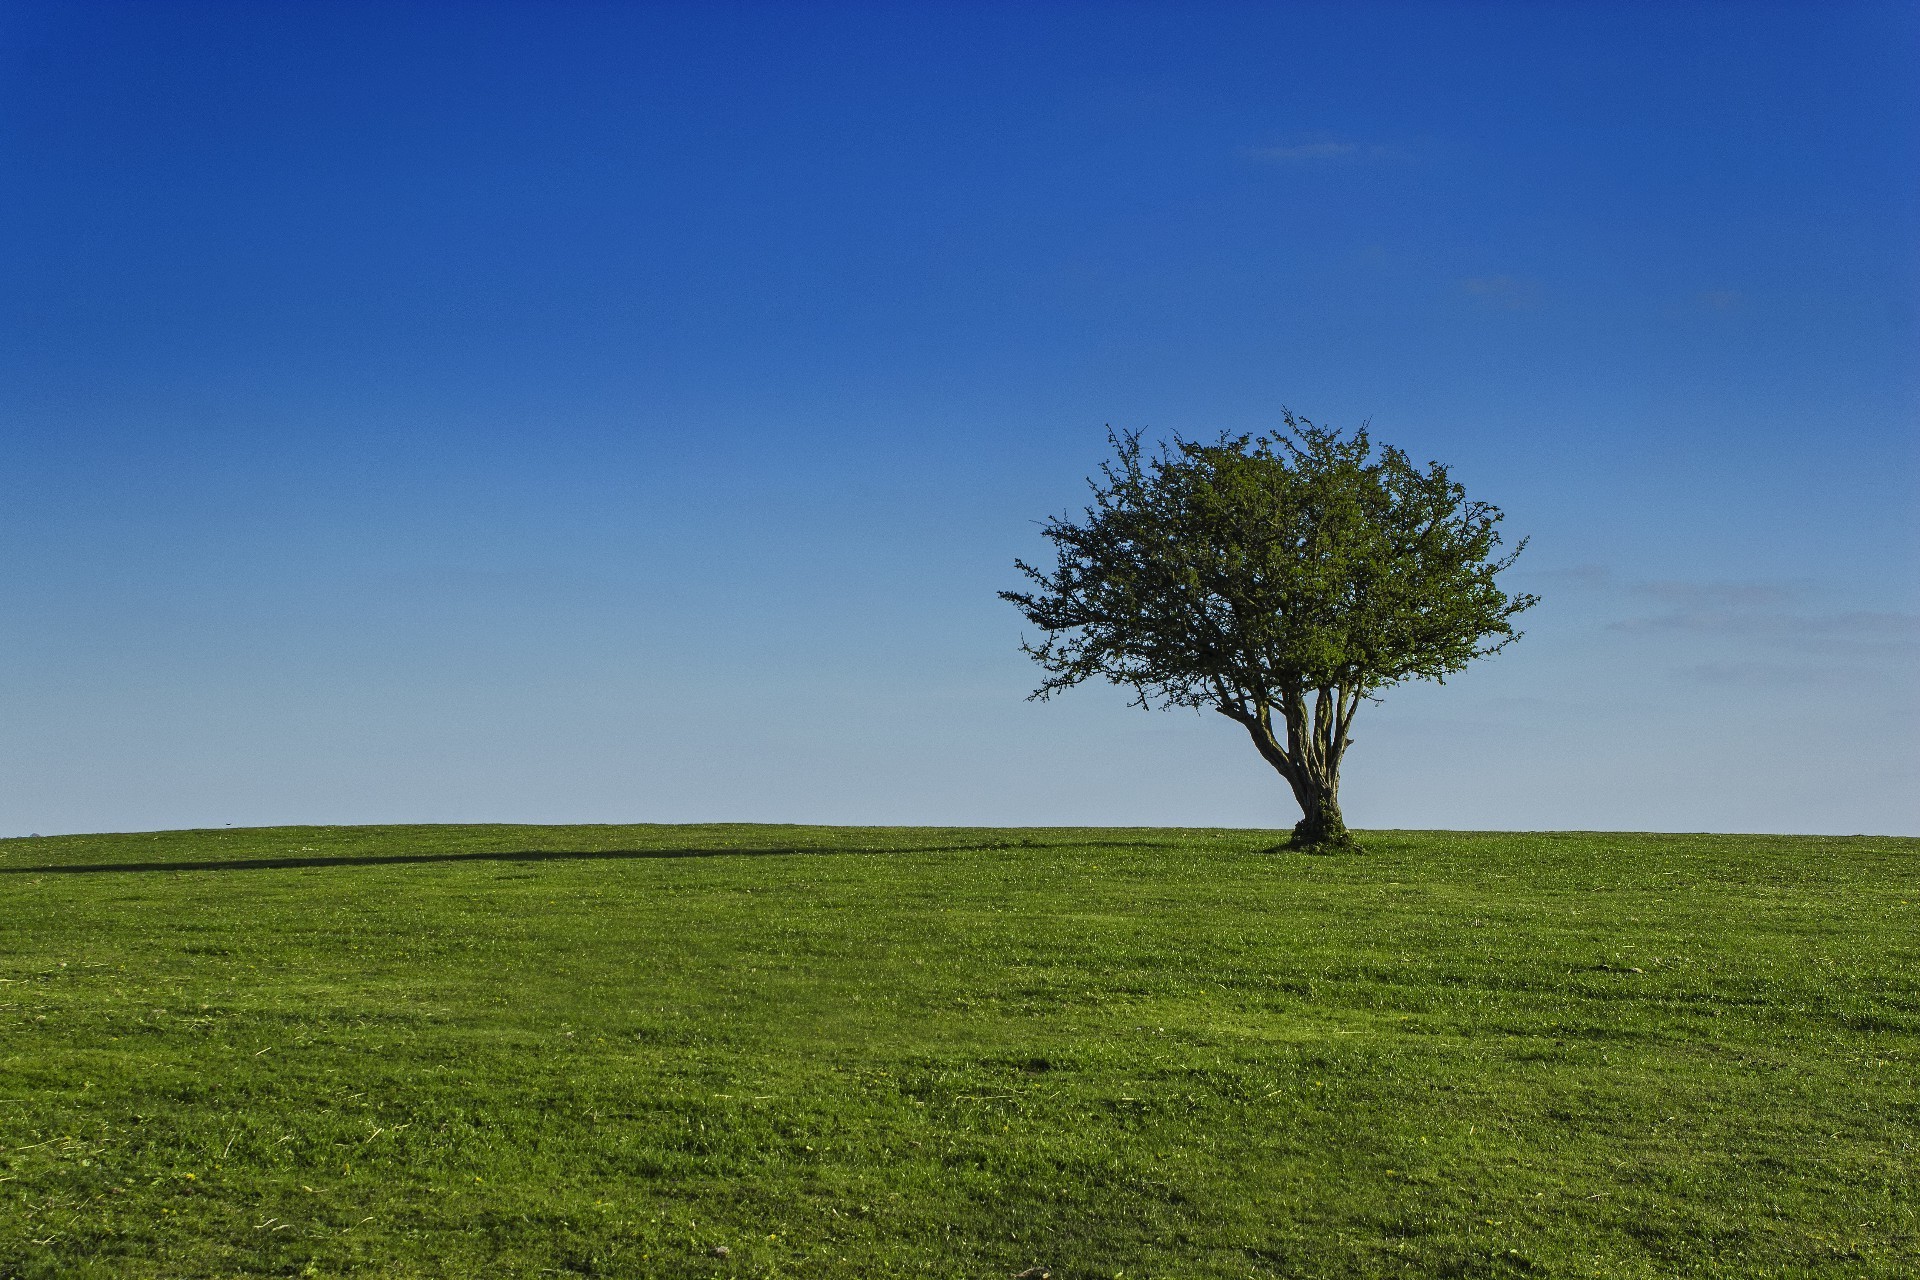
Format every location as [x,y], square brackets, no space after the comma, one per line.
[610,1051]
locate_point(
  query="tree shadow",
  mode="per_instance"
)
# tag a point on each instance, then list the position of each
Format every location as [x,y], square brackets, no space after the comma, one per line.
[514,855]
[1315,850]
[402,859]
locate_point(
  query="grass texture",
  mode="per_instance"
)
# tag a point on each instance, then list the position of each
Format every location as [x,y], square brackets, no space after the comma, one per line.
[466,1051]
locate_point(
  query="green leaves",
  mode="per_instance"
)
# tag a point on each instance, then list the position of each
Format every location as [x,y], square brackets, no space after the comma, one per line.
[1243,569]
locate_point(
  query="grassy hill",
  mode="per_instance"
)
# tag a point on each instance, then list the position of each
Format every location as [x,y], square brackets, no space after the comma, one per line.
[604,1051]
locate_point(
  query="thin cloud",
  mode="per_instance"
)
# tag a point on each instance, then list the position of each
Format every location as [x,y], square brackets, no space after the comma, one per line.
[1712,595]
[1504,293]
[1753,613]
[1305,151]
[1589,576]
[1812,630]
[1765,675]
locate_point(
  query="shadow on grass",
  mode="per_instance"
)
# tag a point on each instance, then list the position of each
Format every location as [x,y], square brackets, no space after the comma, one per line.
[1314,850]
[517,855]
[395,859]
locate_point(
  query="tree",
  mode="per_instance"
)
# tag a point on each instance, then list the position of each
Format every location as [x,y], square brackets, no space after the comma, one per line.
[1281,580]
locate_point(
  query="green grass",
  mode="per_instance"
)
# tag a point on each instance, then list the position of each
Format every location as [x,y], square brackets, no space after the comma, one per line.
[602,1051]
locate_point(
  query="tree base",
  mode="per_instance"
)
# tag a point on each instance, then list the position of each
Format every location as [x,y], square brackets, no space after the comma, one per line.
[1324,836]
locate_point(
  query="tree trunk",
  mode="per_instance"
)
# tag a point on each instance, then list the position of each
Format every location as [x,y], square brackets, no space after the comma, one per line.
[1309,758]
[1321,827]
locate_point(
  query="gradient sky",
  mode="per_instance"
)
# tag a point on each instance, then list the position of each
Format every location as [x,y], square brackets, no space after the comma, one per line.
[568,412]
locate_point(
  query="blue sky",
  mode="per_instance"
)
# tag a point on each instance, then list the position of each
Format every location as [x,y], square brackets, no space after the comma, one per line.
[568,412]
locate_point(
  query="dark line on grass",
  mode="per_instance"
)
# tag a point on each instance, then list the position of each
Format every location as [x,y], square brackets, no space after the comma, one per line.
[389,859]
[518,855]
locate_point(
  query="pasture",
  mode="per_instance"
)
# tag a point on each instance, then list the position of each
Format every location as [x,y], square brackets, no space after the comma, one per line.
[609,1051]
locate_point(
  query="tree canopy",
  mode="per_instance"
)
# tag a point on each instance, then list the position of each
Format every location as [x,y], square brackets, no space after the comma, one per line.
[1281,579]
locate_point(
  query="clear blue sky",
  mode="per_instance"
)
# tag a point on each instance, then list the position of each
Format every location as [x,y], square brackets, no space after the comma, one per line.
[569,412]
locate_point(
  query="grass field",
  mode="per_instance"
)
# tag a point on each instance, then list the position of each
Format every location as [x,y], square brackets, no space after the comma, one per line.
[604,1051]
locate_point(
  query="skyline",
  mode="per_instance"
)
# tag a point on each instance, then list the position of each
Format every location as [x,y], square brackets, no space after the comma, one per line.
[534,413]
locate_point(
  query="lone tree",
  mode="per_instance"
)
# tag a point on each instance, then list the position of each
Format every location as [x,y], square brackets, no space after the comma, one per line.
[1281,580]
